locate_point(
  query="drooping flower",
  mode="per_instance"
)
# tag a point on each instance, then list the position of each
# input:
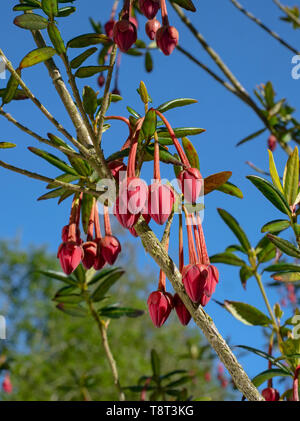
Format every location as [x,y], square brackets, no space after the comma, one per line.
[167,39]
[160,306]
[7,384]
[109,27]
[194,277]
[100,262]
[181,310]
[70,255]
[151,27]
[110,245]
[124,34]
[116,167]
[191,183]
[272,142]
[90,254]
[270,394]
[149,8]
[101,80]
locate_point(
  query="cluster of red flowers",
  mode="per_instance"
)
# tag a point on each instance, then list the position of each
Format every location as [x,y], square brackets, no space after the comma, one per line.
[124,32]
[96,251]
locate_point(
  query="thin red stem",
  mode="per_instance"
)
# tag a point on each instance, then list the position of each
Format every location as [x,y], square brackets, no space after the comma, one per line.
[192,250]
[164,13]
[98,235]
[296,384]
[181,255]
[180,151]
[156,172]
[107,226]
[117,117]
[270,350]
[133,149]
[205,258]
[114,9]
[162,275]
[197,239]
[73,220]
[90,231]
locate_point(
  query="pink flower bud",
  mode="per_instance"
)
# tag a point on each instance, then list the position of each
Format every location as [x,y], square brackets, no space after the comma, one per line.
[101,80]
[109,28]
[160,306]
[181,310]
[210,285]
[270,394]
[149,8]
[272,142]
[90,254]
[100,262]
[125,34]
[151,27]
[7,385]
[167,39]
[160,202]
[147,218]
[191,182]
[116,167]
[194,278]
[110,248]
[70,255]
[131,201]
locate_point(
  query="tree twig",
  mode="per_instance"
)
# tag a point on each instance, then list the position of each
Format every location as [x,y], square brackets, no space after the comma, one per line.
[287,12]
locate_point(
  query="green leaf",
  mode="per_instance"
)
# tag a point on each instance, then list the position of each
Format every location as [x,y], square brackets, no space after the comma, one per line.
[267,375]
[102,275]
[276,226]
[251,136]
[77,61]
[72,310]
[285,246]
[68,298]
[50,7]
[24,7]
[56,39]
[266,356]
[227,258]
[149,124]
[7,145]
[106,284]
[31,21]
[117,312]
[174,103]
[155,363]
[246,313]
[179,132]
[90,104]
[291,177]
[53,160]
[164,155]
[231,189]
[86,209]
[52,194]
[214,181]
[89,71]
[287,277]
[37,56]
[144,94]
[265,250]
[148,62]
[59,276]
[245,274]
[133,112]
[191,152]
[18,95]
[271,193]
[274,173]
[235,228]
[186,4]
[282,267]
[88,39]
[65,11]
[11,89]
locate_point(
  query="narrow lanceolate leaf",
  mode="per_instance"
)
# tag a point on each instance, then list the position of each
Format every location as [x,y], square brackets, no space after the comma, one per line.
[106,284]
[246,313]
[267,375]
[59,276]
[67,178]
[266,356]
[283,267]
[19,94]
[24,7]
[245,274]
[90,104]
[31,21]
[227,258]
[11,89]
[271,193]
[180,131]
[287,277]
[54,160]
[231,189]
[37,56]
[56,39]
[7,145]
[214,181]
[148,62]
[117,312]
[89,71]
[72,310]
[86,208]
[87,40]
[285,246]
[265,250]
[191,153]
[291,177]
[235,228]
[186,4]
[276,226]
[174,103]
[251,136]
[52,194]
[65,11]
[155,363]
[77,61]
[273,171]
[50,7]
[144,93]
[149,124]
[164,155]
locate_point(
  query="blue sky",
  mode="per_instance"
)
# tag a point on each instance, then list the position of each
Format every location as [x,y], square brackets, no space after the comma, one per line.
[252,55]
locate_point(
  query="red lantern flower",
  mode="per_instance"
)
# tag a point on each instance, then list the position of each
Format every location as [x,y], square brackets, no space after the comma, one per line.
[181,310]
[167,39]
[124,34]
[160,306]
[151,27]
[270,394]
[70,255]
[109,27]
[149,8]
